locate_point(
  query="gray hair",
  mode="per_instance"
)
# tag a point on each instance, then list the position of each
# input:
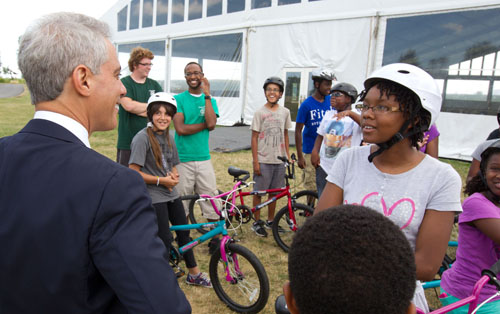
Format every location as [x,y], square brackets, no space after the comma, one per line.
[54,45]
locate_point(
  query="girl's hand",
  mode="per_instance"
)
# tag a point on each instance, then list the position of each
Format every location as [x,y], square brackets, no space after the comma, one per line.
[423,142]
[170,181]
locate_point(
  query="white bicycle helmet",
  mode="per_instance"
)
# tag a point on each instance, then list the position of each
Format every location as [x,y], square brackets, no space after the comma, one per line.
[324,74]
[416,80]
[161,97]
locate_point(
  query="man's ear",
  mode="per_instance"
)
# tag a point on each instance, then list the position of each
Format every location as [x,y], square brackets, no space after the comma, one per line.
[80,78]
[290,300]
[411,309]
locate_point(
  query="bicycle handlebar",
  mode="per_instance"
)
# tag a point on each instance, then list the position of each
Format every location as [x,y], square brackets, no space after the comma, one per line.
[492,274]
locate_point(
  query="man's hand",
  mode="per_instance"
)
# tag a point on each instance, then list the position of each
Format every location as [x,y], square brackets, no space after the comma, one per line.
[302,162]
[315,159]
[205,86]
[256,168]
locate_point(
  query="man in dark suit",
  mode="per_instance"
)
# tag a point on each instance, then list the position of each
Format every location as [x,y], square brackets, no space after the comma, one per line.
[78,233]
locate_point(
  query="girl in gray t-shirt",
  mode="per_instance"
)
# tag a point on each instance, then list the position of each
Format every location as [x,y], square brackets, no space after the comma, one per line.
[418,193]
[154,156]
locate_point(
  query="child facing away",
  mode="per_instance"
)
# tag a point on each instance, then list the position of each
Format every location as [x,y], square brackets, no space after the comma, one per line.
[269,127]
[362,264]
[154,156]
[338,131]
[478,236]
[420,194]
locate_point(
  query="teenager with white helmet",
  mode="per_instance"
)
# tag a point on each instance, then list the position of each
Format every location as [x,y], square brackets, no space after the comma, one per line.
[154,156]
[417,192]
[309,117]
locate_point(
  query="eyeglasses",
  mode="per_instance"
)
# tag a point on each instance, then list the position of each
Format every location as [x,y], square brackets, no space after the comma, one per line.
[273,90]
[337,94]
[376,109]
[188,74]
[146,64]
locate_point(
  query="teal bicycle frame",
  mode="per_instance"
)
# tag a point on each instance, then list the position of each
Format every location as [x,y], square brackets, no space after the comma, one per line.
[219,228]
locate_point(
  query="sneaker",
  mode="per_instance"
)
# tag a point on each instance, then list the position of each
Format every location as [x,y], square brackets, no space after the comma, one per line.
[269,225]
[213,245]
[258,228]
[200,280]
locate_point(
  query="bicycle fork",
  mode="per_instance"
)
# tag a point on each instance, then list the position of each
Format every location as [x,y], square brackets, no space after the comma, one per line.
[233,279]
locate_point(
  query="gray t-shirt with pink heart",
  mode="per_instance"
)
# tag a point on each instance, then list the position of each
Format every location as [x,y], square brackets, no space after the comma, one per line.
[404,197]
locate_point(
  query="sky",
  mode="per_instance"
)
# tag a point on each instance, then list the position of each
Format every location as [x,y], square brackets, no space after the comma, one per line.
[17,15]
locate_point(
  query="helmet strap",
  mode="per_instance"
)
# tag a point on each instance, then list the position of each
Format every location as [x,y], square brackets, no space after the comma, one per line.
[398,137]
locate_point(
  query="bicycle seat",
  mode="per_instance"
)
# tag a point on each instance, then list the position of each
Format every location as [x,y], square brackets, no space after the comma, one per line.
[280,305]
[236,172]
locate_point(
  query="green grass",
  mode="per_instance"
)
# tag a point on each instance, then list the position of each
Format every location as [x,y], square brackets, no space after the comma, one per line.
[17,111]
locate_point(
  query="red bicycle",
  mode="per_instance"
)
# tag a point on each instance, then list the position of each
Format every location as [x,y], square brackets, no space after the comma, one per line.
[287,220]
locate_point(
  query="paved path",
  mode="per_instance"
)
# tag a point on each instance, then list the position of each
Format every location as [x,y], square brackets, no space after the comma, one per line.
[235,138]
[10,90]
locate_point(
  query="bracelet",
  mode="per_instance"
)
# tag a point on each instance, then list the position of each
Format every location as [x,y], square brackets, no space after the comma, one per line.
[157,181]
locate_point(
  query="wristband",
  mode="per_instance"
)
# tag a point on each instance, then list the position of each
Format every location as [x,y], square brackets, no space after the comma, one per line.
[157,181]
[208,97]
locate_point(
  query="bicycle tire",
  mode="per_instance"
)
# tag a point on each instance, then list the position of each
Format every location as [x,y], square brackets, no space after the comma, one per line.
[281,221]
[306,197]
[251,285]
[195,214]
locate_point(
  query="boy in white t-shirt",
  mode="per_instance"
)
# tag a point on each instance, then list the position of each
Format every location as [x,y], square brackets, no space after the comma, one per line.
[338,131]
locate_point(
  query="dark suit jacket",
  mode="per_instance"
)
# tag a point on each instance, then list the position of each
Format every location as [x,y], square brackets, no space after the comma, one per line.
[78,233]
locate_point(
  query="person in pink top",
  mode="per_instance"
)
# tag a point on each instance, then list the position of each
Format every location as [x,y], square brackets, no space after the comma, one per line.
[479,236]
[430,143]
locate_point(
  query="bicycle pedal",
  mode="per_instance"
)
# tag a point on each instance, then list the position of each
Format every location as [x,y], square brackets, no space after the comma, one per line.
[179,273]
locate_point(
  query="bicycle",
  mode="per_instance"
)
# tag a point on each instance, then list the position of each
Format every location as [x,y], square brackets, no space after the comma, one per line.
[238,277]
[287,220]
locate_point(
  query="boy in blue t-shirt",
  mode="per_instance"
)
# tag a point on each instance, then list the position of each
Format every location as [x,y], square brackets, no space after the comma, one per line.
[309,117]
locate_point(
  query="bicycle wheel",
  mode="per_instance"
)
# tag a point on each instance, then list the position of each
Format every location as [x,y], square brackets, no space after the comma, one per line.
[282,232]
[306,197]
[248,290]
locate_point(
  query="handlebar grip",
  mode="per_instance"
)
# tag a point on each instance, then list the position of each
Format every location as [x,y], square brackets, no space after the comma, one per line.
[494,270]
[283,159]
[245,178]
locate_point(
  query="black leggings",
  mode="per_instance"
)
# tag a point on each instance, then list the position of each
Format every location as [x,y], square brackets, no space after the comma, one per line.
[174,211]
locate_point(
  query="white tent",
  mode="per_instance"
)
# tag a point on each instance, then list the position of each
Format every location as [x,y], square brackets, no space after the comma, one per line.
[242,42]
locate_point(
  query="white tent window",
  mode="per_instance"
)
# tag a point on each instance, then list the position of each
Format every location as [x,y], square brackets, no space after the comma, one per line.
[235,6]
[214,7]
[457,47]
[121,18]
[220,59]
[177,11]
[147,13]
[161,12]
[135,7]
[195,9]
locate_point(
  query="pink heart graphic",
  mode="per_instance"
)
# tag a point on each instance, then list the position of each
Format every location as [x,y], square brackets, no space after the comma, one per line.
[388,212]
